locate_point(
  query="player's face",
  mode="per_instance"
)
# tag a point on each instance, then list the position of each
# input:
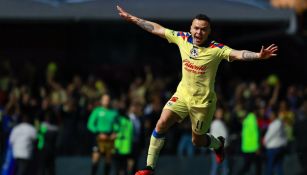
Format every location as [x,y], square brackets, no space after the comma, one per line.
[105,101]
[200,29]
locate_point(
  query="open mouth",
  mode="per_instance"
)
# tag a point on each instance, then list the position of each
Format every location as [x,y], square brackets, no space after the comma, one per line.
[197,39]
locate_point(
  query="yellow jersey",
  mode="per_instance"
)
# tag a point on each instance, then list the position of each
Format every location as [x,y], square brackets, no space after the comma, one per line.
[199,66]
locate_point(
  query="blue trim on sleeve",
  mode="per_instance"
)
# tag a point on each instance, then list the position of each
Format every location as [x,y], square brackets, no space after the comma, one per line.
[157,135]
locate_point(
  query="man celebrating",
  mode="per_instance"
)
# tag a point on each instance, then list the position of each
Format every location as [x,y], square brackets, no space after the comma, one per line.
[195,96]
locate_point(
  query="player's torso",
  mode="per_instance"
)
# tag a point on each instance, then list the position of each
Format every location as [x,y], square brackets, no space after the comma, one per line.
[199,67]
[105,119]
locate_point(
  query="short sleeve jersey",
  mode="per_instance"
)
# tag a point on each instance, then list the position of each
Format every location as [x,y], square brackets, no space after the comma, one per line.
[199,65]
[102,120]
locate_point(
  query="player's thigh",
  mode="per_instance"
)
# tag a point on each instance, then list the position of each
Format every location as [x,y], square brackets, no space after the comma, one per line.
[174,111]
[176,104]
[201,118]
[167,119]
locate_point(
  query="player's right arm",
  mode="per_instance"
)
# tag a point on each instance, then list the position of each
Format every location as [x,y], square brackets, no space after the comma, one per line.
[149,26]
[91,124]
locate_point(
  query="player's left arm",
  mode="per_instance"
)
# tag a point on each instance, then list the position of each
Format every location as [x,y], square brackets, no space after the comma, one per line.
[149,26]
[245,55]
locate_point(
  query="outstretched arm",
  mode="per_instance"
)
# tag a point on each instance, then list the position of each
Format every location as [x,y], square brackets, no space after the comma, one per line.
[151,27]
[246,55]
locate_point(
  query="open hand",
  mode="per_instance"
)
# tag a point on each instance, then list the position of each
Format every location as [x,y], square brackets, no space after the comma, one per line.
[268,52]
[124,14]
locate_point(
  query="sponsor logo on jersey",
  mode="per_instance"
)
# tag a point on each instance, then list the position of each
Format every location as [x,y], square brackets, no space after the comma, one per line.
[191,67]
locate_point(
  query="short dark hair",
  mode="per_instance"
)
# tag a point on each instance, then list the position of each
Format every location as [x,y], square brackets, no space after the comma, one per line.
[203,17]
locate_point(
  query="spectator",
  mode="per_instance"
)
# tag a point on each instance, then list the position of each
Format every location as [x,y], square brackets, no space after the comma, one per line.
[288,118]
[218,128]
[275,141]
[300,131]
[136,116]
[22,139]
[47,137]
[185,145]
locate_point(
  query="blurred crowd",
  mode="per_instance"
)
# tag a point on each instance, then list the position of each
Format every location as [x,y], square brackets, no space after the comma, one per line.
[53,117]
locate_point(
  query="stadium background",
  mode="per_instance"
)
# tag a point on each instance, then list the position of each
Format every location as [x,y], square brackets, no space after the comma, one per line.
[88,38]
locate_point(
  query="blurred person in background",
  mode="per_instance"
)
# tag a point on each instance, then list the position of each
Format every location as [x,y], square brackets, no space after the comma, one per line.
[185,146]
[151,113]
[47,140]
[123,144]
[2,141]
[74,94]
[139,87]
[300,130]
[103,123]
[10,118]
[263,120]
[195,94]
[27,102]
[68,127]
[219,128]
[265,108]
[235,127]
[135,115]
[293,97]
[275,141]
[250,144]
[288,118]
[89,90]
[23,139]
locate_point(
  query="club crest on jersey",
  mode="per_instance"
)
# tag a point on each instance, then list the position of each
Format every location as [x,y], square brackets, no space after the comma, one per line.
[172,101]
[194,52]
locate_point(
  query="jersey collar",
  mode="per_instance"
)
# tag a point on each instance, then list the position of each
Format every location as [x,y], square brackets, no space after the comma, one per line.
[205,44]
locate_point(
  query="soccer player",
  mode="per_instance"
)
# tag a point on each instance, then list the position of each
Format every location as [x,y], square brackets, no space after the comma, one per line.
[104,123]
[195,96]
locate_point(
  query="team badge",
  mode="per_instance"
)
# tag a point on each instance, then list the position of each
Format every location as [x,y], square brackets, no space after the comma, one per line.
[194,52]
[172,101]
